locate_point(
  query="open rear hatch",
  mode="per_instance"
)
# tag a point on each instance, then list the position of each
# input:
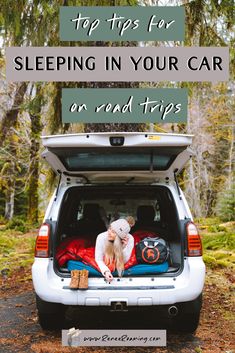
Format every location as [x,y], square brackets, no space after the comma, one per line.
[114,163]
[117,157]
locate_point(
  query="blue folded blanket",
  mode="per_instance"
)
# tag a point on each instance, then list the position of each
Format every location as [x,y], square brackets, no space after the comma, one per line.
[141,269]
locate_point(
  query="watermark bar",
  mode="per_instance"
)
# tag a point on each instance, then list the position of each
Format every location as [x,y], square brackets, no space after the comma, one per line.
[121,23]
[126,105]
[113,338]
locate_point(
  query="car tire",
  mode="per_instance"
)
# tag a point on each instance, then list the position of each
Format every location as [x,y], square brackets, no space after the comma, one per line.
[51,316]
[187,320]
[187,323]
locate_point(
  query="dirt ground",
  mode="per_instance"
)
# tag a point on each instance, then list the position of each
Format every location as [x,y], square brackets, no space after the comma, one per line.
[20,331]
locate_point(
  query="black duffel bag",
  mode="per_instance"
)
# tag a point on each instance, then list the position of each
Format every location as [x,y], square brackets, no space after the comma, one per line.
[152,251]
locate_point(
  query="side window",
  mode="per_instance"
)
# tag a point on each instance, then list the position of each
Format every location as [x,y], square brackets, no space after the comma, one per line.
[79,211]
[157,212]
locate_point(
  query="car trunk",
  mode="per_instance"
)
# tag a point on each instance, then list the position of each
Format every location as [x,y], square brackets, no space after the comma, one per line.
[87,211]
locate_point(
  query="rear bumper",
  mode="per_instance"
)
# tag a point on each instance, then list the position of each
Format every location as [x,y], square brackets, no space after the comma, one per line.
[151,290]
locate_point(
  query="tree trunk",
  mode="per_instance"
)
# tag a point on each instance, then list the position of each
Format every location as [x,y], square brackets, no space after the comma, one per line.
[10,119]
[10,175]
[10,201]
[100,127]
[36,128]
[9,122]
[33,181]
[193,192]
[231,158]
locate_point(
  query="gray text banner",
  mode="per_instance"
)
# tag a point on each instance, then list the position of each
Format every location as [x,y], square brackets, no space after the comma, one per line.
[152,64]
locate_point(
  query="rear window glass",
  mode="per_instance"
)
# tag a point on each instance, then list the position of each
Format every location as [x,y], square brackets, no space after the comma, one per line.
[114,159]
[88,210]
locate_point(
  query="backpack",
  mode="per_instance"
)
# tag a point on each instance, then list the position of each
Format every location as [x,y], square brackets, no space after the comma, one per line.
[152,250]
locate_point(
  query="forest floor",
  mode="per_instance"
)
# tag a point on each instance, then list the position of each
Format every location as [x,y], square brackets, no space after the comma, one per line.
[20,331]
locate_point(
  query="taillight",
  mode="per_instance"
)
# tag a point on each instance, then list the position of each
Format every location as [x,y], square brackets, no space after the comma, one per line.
[194,240]
[42,241]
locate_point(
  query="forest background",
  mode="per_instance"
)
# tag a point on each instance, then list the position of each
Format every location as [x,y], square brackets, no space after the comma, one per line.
[29,110]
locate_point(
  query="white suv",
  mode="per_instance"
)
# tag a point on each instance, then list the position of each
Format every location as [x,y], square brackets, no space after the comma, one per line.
[119,174]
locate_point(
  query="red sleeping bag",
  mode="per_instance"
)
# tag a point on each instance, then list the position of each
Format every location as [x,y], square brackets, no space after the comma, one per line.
[82,250]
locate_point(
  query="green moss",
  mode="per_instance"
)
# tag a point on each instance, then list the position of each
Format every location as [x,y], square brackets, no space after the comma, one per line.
[16,250]
[222,240]
[210,261]
[207,221]
[216,228]
[8,241]
[216,259]
[218,244]
[18,223]
[224,263]
[26,262]
[228,315]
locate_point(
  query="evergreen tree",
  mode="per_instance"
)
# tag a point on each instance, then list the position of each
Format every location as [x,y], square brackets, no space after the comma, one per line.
[225,207]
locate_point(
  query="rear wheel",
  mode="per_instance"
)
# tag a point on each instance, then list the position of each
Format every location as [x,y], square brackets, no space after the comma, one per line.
[50,315]
[189,314]
[187,323]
